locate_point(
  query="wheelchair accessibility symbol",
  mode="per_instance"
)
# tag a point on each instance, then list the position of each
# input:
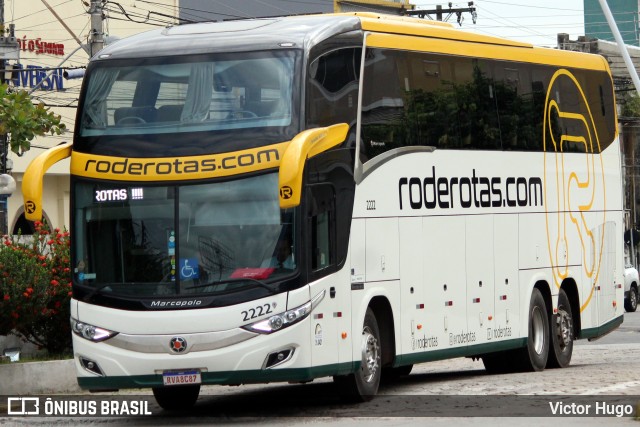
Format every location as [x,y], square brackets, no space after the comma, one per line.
[189,268]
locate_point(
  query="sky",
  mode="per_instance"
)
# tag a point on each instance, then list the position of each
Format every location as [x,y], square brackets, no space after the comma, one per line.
[532,21]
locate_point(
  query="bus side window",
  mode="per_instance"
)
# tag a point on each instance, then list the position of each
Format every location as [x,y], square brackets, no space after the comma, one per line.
[332,87]
[320,238]
[321,226]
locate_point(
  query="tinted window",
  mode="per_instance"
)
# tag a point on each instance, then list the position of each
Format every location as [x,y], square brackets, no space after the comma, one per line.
[451,102]
[332,89]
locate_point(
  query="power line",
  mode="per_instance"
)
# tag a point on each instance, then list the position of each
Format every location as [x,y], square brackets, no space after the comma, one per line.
[183,10]
[130,15]
[527,5]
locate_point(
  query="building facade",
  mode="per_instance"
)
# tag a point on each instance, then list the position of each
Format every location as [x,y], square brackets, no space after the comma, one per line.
[55,36]
[206,10]
[625,13]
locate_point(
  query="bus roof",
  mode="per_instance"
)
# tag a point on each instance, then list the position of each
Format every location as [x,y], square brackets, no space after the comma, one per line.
[308,30]
[236,35]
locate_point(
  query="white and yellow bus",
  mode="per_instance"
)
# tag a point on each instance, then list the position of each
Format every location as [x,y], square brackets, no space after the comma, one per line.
[341,195]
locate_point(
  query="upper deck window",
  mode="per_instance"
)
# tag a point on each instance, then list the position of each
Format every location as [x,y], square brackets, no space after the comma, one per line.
[189,94]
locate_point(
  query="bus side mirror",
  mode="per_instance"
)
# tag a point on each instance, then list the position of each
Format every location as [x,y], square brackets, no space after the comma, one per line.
[303,146]
[33,176]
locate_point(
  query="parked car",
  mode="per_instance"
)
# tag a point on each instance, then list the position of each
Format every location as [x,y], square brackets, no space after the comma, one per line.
[630,288]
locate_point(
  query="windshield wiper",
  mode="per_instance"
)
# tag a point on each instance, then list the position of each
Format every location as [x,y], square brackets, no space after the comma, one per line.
[232,280]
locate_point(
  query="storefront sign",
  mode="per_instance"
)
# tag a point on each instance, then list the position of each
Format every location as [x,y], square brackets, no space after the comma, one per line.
[40,47]
[32,75]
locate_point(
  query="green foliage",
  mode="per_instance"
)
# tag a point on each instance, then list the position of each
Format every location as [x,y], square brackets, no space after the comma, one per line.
[35,289]
[631,104]
[23,120]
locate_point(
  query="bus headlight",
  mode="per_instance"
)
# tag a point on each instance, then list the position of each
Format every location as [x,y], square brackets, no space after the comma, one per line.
[286,319]
[280,321]
[90,332]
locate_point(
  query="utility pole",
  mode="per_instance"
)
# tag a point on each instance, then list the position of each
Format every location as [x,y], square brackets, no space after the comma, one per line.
[439,12]
[393,7]
[9,49]
[97,33]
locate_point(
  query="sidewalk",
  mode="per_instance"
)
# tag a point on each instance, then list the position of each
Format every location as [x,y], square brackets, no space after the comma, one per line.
[51,377]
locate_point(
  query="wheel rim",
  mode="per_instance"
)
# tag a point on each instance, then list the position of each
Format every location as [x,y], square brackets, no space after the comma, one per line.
[563,328]
[538,329]
[633,298]
[370,355]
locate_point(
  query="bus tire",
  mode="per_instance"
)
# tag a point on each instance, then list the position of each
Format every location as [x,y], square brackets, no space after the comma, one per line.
[631,301]
[362,385]
[534,356]
[561,331]
[178,398]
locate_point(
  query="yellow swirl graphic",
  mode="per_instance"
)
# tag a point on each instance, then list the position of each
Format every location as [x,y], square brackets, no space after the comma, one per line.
[576,186]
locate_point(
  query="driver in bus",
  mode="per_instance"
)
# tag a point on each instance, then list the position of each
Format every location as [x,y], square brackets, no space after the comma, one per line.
[282,256]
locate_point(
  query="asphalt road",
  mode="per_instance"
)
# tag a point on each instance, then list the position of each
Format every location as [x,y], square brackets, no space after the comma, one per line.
[459,391]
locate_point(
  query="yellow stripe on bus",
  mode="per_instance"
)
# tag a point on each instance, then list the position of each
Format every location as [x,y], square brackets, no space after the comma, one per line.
[177,168]
[488,50]
[432,29]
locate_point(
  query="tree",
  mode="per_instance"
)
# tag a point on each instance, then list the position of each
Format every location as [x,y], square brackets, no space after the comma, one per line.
[630,104]
[24,120]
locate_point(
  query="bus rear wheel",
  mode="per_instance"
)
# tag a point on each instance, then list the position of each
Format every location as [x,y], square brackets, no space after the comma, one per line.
[534,356]
[631,302]
[363,384]
[179,398]
[561,334]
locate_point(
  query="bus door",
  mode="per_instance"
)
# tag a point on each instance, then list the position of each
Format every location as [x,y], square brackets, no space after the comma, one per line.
[331,318]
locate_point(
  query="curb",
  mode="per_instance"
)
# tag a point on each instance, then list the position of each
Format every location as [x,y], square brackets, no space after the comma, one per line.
[31,378]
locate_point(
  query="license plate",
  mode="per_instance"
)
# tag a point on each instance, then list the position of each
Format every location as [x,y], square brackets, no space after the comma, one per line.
[181,377]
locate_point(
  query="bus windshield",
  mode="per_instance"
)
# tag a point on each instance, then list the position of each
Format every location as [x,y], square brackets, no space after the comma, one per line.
[190,93]
[174,240]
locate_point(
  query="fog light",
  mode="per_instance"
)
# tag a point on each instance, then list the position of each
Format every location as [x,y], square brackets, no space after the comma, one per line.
[278,357]
[91,366]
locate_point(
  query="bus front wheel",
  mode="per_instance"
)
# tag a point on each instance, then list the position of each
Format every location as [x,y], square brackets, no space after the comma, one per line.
[178,398]
[363,384]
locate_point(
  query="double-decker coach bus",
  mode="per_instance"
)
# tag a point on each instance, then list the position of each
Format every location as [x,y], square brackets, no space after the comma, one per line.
[283,199]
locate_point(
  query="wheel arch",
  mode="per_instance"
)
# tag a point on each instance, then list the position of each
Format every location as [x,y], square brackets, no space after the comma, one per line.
[384,316]
[544,289]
